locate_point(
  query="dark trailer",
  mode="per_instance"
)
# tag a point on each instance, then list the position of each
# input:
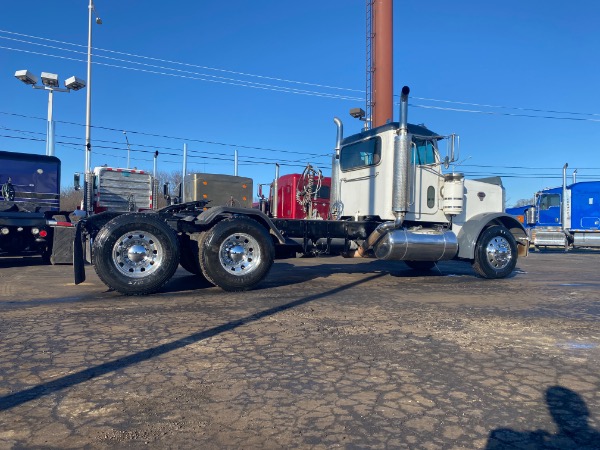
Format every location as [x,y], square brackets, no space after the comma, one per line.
[29,197]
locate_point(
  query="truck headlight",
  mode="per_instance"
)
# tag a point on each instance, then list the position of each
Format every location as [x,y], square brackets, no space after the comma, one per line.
[4,231]
[35,231]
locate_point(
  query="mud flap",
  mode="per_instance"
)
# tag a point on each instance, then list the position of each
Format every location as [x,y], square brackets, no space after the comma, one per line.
[62,245]
[78,256]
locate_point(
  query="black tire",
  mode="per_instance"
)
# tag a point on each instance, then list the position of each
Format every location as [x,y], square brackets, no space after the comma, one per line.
[135,254]
[189,258]
[495,253]
[236,254]
[420,265]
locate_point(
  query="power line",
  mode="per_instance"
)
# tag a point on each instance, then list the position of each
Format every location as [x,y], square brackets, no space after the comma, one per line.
[246,83]
[178,62]
[220,80]
[245,161]
[179,138]
[493,113]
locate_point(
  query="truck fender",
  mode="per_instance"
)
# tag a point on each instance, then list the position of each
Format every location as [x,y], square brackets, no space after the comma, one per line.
[470,231]
[93,223]
[87,226]
[212,215]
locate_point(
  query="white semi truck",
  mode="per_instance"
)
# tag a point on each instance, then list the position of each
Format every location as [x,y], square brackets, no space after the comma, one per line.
[390,199]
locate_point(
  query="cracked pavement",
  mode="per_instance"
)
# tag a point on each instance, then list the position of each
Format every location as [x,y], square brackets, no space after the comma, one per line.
[325,353]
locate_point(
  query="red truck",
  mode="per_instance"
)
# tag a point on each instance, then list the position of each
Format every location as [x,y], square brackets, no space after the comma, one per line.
[298,196]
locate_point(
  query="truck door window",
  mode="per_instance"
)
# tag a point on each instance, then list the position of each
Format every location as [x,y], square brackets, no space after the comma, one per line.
[549,200]
[422,153]
[361,154]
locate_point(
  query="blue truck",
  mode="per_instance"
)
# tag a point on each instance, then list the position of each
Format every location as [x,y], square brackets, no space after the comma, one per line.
[566,216]
[31,221]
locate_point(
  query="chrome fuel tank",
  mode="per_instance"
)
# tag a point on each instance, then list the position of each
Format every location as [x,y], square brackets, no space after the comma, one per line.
[417,245]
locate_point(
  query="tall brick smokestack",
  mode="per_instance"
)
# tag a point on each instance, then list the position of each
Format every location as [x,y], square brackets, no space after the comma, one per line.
[382,63]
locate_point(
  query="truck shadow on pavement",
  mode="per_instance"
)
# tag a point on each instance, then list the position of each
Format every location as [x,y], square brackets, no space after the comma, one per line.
[570,414]
[285,274]
[10,401]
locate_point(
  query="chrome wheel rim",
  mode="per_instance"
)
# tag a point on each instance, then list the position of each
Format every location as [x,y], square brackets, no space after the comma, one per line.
[137,254]
[499,253]
[239,254]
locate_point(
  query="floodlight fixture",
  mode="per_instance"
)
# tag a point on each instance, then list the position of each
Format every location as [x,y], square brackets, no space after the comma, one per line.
[357,113]
[50,79]
[74,83]
[26,77]
[51,84]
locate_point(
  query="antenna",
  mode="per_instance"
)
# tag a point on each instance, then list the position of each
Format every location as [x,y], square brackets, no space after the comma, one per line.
[128,147]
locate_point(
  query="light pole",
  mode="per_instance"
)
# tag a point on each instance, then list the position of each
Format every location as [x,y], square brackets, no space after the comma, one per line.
[88,109]
[50,84]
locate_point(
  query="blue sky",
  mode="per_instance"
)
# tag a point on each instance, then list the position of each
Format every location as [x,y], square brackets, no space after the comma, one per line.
[517,80]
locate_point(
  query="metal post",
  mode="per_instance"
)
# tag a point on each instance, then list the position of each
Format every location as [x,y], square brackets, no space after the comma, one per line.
[87,200]
[128,148]
[184,171]
[155,183]
[51,134]
[50,127]
[563,206]
[275,193]
[88,107]
[235,162]
[155,163]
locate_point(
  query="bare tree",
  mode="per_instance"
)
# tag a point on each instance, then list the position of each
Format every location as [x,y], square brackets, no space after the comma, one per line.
[70,199]
[172,180]
[524,202]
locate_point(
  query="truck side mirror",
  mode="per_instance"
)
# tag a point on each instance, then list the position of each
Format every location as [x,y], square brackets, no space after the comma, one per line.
[260,194]
[165,190]
[454,147]
[77,181]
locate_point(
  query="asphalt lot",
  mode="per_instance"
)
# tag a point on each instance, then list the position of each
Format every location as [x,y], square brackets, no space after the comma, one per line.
[325,353]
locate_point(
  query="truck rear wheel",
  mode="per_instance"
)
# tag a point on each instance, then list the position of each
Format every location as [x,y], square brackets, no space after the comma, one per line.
[495,253]
[135,254]
[236,254]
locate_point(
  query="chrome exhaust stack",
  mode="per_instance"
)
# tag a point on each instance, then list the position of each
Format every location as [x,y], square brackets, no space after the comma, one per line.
[392,240]
[335,204]
[400,198]
[401,175]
